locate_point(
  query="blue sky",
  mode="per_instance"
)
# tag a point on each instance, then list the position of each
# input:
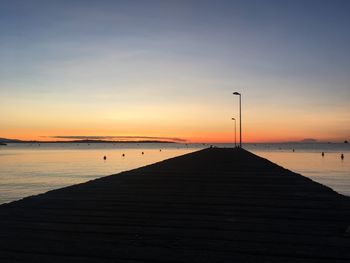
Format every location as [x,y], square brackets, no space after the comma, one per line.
[97,66]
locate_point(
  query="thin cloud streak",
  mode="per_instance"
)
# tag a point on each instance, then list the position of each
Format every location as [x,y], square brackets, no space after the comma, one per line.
[116,137]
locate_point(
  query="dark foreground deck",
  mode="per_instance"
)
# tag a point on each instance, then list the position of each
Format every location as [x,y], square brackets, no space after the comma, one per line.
[215,205]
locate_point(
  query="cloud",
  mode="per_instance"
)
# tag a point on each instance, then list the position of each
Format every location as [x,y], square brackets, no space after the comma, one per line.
[74,137]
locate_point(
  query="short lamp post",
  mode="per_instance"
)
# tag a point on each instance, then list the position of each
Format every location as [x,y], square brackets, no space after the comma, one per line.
[235,132]
[240,117]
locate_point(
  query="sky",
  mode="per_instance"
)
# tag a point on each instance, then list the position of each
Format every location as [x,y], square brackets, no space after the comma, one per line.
[167,69]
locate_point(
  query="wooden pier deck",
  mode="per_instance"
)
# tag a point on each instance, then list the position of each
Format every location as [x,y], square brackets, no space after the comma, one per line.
[214,205]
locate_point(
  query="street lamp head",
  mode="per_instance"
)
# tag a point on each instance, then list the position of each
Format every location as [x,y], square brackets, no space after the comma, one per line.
[236,93]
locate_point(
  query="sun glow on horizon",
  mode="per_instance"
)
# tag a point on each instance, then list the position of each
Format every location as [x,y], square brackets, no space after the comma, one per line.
[159,69]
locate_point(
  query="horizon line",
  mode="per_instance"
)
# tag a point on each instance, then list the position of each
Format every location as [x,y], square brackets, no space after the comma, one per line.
[160,139]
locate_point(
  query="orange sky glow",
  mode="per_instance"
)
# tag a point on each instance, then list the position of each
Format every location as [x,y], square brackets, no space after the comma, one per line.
[159,69]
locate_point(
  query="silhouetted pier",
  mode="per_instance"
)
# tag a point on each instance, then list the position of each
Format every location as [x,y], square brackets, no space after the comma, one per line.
[214,205]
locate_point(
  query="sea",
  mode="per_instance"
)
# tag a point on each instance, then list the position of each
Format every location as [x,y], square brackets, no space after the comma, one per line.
[33,168]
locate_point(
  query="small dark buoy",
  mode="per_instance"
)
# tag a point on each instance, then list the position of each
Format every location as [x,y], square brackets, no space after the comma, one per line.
[293,150]
[123,155]
[322,154]
[105,157]
[160,150]
[342,156]
[143,153]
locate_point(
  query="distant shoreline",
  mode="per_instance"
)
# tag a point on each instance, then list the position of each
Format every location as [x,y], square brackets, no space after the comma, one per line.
[85,141]
[4,141]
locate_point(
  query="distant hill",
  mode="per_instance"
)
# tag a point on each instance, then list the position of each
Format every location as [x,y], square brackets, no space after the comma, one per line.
[309,140]
[104,141]
[4,141]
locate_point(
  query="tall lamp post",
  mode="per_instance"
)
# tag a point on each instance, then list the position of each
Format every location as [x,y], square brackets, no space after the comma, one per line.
[240,117]
[235,132]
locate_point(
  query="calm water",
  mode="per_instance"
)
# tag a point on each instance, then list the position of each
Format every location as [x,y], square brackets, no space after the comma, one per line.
[307,160]
[27,169]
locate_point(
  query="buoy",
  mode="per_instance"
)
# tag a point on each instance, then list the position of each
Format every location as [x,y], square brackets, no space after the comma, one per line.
[160,150]
[322,154]
[342,156]
[123,155]
[293,150]
[105,157]
[142,152]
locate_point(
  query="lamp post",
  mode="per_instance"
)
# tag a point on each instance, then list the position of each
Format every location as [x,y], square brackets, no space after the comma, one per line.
[240,117]
[235,132]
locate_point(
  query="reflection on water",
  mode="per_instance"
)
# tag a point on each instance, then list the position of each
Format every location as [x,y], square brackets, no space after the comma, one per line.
[329,170]
[32,169]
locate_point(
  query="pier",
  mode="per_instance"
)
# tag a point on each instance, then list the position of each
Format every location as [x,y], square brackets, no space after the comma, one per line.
[213,205]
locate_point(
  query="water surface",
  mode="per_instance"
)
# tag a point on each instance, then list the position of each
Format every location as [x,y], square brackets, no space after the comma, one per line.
[28,169]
